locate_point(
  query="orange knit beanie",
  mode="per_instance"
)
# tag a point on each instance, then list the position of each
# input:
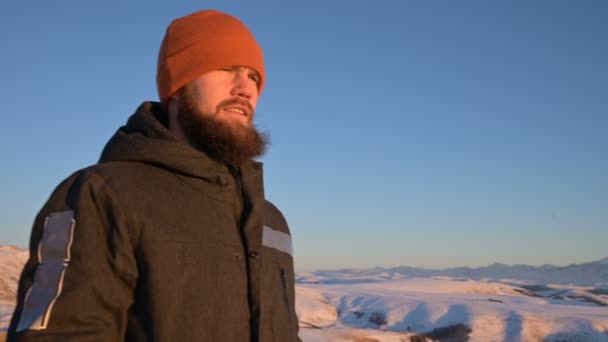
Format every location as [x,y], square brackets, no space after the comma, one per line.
[201,42]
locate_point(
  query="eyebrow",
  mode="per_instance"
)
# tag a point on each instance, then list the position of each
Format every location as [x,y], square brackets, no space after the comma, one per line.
[239,68]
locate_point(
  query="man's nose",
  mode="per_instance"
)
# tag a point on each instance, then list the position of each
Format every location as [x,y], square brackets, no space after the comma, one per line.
[244,86]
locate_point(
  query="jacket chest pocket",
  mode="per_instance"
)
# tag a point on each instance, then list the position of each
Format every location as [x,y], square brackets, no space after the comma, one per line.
[206,222]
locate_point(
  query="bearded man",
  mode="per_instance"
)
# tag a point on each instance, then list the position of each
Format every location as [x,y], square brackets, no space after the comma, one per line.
[169,237]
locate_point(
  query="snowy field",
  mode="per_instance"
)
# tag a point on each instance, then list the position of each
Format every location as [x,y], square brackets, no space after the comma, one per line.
[11,262]
[407,304]
[444,308]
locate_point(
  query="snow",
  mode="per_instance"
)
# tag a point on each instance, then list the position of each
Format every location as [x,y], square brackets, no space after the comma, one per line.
[493,311]
[404,303]
[359,335]
[11,262]
[603,261]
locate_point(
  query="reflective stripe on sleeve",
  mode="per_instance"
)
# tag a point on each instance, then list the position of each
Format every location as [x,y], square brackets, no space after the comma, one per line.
[277,240]
[53,258]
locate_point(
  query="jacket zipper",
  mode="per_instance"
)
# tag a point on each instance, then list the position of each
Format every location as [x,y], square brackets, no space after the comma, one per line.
[238,215]
[236,173]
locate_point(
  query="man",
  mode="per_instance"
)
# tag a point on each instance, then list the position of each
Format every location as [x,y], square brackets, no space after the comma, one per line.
[169,237]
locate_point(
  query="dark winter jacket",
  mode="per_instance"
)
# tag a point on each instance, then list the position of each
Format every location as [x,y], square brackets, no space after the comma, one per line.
[157,242]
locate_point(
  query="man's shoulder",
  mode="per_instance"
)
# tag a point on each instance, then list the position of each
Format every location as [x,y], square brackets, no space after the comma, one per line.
[108,182]
[113,168]
[274,218]
[123,172]
[103,175]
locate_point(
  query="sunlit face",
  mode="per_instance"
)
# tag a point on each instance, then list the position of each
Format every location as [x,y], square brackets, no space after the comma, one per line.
[230,94]
[214,114]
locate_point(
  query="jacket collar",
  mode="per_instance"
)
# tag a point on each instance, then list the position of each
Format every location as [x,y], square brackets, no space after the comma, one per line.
[145,138]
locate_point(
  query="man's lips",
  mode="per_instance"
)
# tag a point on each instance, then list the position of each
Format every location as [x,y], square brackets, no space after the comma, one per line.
[237,110]
[237,107]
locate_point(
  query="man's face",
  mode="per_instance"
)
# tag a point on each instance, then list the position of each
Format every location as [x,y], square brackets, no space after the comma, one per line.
[230,95]
[215,115]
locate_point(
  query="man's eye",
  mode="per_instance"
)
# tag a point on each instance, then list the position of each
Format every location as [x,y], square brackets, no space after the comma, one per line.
[255,78]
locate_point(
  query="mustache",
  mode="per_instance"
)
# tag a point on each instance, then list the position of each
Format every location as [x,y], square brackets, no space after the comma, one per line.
[235,101]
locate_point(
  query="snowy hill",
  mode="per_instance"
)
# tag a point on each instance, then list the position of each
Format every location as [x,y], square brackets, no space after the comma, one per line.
[443,308]
[11,262]
[603,261]
[409,304]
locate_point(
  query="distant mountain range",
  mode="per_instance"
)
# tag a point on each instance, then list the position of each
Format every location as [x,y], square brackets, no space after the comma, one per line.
[585,274]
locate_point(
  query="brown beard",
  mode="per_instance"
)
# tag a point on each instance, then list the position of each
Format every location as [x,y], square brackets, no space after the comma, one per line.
[230,144]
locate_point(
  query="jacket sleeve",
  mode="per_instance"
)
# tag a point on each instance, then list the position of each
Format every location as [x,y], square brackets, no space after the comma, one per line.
[78,282]
[276,221]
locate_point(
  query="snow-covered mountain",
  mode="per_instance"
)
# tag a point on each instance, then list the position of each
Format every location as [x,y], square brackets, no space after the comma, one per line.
[585,274]
[603,261]
[11,262]
[447,309]
[494,303]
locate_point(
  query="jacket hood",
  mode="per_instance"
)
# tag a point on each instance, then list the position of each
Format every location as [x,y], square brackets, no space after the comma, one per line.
[145,138]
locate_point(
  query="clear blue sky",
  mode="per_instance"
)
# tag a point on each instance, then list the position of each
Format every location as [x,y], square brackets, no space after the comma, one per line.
[423,133]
